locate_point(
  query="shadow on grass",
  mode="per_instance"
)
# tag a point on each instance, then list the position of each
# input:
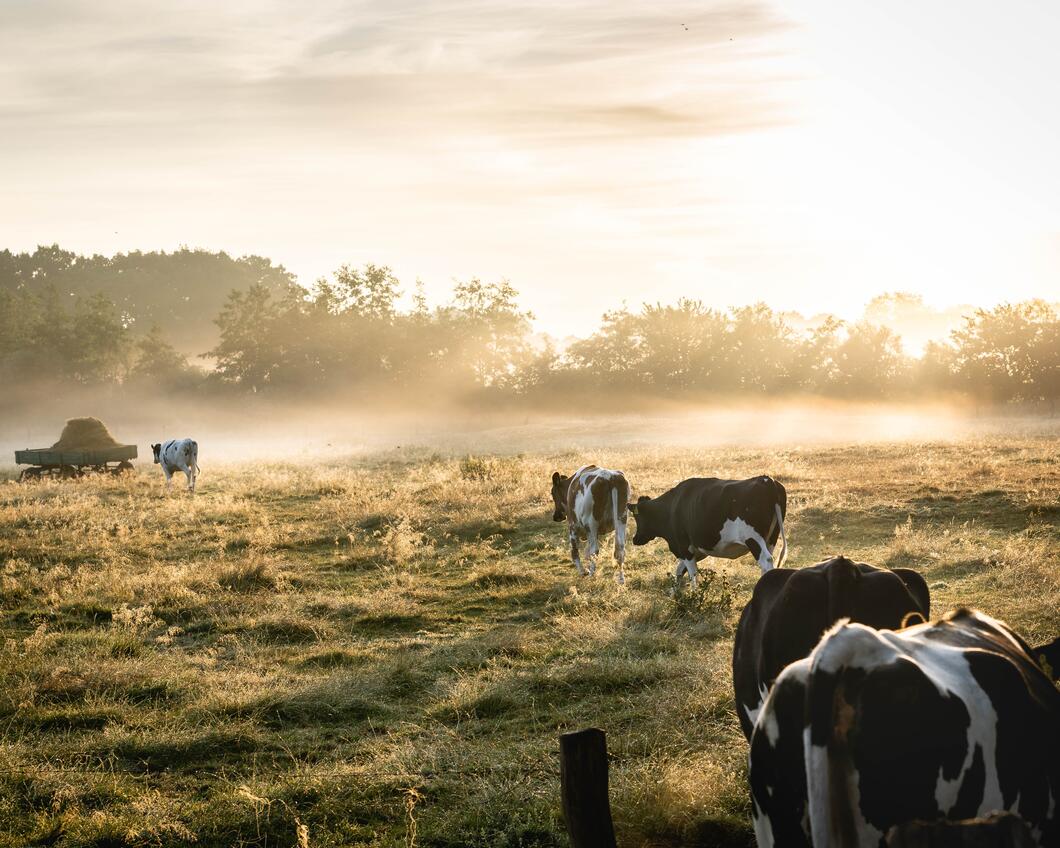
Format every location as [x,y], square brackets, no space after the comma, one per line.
[331,659]
[721,833]
[386,623]
[67,720]
[321,706]
[991,508]
[191,752]
[530,529]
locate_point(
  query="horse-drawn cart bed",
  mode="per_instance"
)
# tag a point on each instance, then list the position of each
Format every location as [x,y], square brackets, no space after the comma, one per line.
[51,462]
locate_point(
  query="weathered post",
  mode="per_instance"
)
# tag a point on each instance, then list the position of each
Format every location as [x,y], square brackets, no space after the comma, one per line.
[583,784]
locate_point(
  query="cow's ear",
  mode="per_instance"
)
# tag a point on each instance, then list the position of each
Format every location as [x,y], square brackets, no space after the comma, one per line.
[556,477]
[632,507]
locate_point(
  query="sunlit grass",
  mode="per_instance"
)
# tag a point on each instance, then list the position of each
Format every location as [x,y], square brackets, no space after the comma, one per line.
[356,646]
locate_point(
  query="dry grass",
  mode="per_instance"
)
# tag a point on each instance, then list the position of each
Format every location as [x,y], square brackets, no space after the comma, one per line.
[378,650]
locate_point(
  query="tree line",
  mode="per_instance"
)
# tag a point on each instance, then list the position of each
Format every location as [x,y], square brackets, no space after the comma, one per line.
[353,335]
[182,290]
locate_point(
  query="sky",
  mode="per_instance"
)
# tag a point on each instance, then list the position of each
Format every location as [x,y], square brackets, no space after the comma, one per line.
[805,154]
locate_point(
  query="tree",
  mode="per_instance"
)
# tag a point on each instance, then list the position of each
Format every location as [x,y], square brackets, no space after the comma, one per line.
[760,349]
[869,362]
[158,364]
[1009,352]
[181,291]
[613,354]
[370,293]
[934,372]
[99,341]
[248,353]
[484,332]
[815,366]
[683,345]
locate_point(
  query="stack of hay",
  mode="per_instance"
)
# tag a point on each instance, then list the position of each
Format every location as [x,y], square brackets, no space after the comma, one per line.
[85,434]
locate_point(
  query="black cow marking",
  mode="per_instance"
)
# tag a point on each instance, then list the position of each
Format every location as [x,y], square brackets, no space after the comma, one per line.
[706,516]
[947,720]
[790,610]
[178,455]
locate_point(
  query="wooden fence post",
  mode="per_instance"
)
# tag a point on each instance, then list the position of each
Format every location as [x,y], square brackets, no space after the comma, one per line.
[583,784]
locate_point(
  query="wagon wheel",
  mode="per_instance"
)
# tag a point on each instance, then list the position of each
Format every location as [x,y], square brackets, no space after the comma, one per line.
[30,475]
[69,472]
[122,467]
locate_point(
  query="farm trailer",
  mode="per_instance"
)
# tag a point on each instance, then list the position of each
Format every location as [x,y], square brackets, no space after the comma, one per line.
[67,464]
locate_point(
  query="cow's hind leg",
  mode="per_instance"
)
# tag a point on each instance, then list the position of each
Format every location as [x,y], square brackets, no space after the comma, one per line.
[191,479]
[679,569]
[620,556]
[592,549]
[682,566]
[574,555]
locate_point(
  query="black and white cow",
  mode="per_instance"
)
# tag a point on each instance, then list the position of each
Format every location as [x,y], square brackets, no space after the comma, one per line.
[948,720]
[178,455]
[791,608]
[594,501]
[705,516]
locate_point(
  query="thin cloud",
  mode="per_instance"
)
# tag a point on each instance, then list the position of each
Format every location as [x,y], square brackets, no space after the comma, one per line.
[563,72]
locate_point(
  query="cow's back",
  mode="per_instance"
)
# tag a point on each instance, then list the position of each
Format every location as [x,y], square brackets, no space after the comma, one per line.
[697,498]
[945,720]
[790,609]
[597,495]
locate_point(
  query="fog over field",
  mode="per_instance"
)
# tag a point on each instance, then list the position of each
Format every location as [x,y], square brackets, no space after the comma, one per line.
[259,431]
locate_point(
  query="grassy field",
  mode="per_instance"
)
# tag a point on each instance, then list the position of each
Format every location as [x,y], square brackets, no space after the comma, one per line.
[382,650]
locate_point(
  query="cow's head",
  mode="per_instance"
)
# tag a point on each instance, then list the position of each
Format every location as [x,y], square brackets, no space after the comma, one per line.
[560,486]
[642,511]
[157,451]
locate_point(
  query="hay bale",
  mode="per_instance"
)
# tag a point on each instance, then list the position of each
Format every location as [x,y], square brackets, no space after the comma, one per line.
[85,434]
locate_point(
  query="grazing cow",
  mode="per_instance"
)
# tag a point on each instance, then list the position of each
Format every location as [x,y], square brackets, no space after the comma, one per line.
[705,516]
[791,608]
[178,455]
[594,501]
[876,728]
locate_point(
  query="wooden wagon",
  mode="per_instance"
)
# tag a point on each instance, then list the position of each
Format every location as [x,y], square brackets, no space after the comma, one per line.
[67,464]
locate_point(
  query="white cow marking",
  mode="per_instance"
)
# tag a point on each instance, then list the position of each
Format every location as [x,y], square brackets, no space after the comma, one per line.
[857,646]
[732,543]
[753,714]
[179,455]
[582,522]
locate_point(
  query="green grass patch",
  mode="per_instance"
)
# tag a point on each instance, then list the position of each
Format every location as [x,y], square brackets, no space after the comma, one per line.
[354,650]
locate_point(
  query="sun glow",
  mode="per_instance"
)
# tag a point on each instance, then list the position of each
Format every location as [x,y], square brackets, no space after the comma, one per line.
[809,155]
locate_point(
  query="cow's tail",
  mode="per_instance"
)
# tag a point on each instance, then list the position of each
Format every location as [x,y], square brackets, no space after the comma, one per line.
[620,525]
[783,538]
[831,709]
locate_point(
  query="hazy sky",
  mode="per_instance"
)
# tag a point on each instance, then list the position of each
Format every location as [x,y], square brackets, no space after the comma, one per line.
[808,154]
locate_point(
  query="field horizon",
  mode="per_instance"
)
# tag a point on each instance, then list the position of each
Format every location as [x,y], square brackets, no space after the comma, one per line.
[381,647]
